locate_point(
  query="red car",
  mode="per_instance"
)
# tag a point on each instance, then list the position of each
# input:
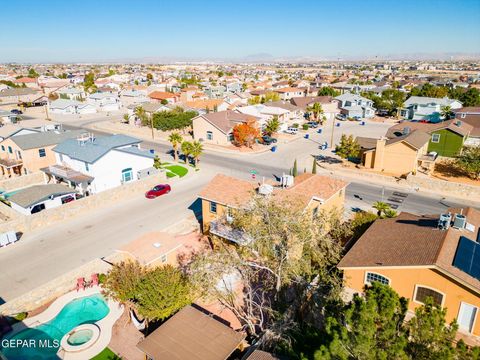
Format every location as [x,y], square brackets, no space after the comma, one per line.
[157,191]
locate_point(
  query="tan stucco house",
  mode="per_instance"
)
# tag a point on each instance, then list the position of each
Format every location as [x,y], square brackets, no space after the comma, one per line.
[435,256]
[225,193]
[395,156]
[216,127]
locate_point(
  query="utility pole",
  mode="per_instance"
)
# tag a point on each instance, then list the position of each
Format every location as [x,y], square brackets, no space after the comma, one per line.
[333,129]
[151,125]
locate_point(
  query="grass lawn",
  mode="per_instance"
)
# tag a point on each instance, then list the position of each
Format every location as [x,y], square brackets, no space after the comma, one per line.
[177,170]
[106,354]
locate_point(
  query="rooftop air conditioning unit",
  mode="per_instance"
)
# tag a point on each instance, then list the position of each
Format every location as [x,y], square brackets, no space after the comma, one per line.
[460,221]
[444,221]
[406,130]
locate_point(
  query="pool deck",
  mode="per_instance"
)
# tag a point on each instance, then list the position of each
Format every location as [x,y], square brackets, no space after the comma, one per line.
[105,324]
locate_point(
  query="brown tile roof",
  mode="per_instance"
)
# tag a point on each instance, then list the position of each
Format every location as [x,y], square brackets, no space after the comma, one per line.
[226,120]
[161,95]
[472,119]
[366,143]
[305,101]
[411,240]
[463,129]
[416,138]
[261,355]
[191,334]
[25,80]
[235,192]
[204,104]
[287,89]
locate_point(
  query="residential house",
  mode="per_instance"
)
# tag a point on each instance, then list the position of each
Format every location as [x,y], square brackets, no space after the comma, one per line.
[294,114]
[224,193]
[215,91]
[104,101]
[16,96]
[217,127]
[71,107]
[36,198]
[287,93]
[471,116]
[160,248]
[132,96]
[6,117]
[28,151]
[27,81]
[71,94]
[92,165]
[353,105]
[427,108]
[162,96]
[398,156]
[330,106]
[436,256]
[204,106]
[174,339]
[446,138]
[265,113]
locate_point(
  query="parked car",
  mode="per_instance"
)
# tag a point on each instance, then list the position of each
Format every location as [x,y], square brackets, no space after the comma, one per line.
[157,191]
[292,130]
[16,112]
[312,124]
[268,140]
[341,117]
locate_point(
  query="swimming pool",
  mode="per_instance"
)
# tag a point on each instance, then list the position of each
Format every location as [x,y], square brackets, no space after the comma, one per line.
[6,195]
[46,337]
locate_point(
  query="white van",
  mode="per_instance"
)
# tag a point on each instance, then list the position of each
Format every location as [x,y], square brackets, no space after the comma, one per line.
[292,130]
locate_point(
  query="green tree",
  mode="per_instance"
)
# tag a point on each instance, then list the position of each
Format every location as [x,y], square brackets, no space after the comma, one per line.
[295,169]
[328,91]
[32,73]
[446,112]
[368,328]
[157,164]
[196,151]
[175,119]
[175,139]
[89,82]
[122,281]
[272,125]
[142,115]
[314,166]
[161,292]
[469,161]
[149,77]
[381,207]
[316,110]
[470,98]
[348,147]
[186,150]
[429,338]
[126,118]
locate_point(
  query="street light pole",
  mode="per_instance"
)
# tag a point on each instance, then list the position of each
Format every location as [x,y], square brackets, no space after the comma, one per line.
[333,129]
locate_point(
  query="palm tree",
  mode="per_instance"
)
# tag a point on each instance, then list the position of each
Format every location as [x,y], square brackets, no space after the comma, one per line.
[175,139]
[186,149]
[317,110]
[196,150]
[126,118]
[447,112]
[141,115]
[381,207]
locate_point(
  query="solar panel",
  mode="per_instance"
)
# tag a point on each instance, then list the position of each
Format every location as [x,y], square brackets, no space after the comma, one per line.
[467,257]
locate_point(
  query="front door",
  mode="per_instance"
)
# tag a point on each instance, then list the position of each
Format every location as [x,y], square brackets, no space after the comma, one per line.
[466,316]
[127,175]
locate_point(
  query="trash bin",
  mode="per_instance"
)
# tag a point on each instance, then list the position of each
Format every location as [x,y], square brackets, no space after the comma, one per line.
[307,136]
[274,148]
[319,131]
[362,123]
[152,151]
[338,124]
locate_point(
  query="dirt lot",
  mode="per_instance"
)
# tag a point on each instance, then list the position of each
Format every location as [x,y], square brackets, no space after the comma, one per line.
[445,170]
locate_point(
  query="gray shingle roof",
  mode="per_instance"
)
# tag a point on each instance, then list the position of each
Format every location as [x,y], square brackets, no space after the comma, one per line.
[423,100]
[37,193]
[47,138]
[91,151]
[137,151]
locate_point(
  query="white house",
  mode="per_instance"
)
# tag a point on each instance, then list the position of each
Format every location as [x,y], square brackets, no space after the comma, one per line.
[36,198]
[427,108]
[265,113]
[288,92]
[104,101]
[71,93]
[62,106]
[92,165]
[353,105]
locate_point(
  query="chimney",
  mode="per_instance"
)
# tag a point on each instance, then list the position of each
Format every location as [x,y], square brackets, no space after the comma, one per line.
[379,154]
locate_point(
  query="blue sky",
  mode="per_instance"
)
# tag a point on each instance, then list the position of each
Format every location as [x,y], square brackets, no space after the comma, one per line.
[63,31]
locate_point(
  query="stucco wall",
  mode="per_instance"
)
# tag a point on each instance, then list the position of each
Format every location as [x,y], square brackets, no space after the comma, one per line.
[404,280]
[200,128]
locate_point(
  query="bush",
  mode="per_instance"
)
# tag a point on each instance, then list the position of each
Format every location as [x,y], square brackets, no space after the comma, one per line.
[102,278]
[296,125]
[21,316]
[173,120]
[305,126]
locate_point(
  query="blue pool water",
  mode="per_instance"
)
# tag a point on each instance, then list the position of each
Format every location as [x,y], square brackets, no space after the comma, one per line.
[45,338]
[6,195]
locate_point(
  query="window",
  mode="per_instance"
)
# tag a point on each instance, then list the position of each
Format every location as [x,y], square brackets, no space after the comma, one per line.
[464,115]
[466,316]
[371,277]
[435,138]
[422,293]
[213,207]
[42,153]
[230,137]
[19,155]
[163,259]
[87,168]
[10,149]
[209,135]
[3,148]
[127,175]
